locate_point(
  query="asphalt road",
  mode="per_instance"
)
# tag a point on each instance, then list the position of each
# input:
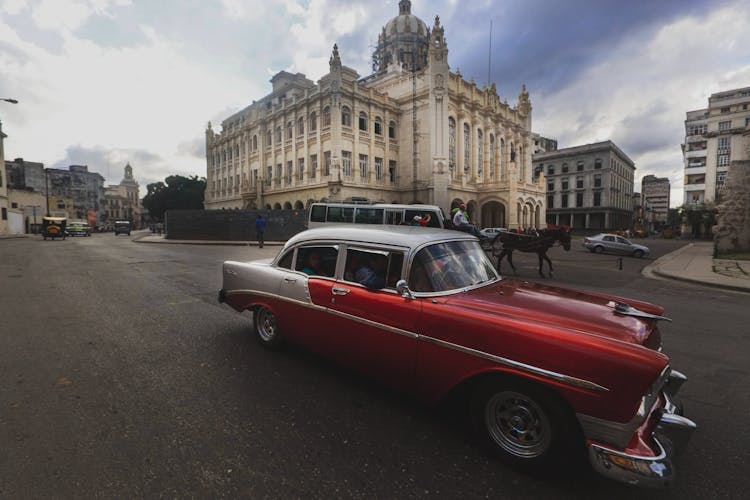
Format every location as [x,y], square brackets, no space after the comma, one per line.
[123,377]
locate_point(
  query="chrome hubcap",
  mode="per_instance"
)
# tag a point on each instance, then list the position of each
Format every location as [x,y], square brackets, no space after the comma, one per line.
[517,424]
[266,325]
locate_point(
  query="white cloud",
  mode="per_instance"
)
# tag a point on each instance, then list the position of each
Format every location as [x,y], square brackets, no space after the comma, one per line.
[643,89]
[13,7]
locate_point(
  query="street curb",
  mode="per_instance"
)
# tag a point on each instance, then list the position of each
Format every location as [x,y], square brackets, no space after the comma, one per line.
[652,270]
[138,239]
[702,283]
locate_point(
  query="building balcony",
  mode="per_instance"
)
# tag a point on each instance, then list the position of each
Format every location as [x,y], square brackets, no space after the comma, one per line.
[696,153]
[695,170]
[695,187]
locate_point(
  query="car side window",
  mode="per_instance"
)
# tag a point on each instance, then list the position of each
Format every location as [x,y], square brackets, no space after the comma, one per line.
[286,260]
[317,260]
[608,238]
[373,268]
[622,240]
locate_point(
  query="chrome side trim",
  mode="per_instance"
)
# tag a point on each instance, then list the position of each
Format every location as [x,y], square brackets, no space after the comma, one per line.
[567,379]
[560,377]
[375,324]
[275,296]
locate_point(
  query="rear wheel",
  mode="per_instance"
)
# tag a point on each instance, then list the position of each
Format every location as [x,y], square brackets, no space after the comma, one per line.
[598,249]
[638,254]
[266,328]
[523,423]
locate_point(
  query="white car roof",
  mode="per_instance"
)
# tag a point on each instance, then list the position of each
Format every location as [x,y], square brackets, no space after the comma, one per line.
[404,236]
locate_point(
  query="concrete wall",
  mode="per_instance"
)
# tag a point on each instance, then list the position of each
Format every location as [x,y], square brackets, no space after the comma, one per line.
[232,225]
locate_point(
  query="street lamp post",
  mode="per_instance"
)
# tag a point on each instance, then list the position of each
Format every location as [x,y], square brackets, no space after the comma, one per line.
[46,188]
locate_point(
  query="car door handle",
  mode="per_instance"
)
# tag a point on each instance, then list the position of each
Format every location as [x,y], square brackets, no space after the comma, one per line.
[290,280]
[338,290]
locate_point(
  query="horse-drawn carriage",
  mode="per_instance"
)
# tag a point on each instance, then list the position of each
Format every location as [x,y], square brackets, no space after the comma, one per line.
[533,241]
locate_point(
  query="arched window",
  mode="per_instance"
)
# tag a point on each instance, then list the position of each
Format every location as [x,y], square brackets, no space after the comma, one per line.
[300,126]
[313,122]
[268,138]
[521,166]
[492,156]
[363,121]
[378,126]
[289,129]
[512,152]
[230,152]
[346,117]
[255,142]
[278,134]
[391,130]
[467,147]
[327,116]
[480,152]
[451,144]
[237,151]
[277,206]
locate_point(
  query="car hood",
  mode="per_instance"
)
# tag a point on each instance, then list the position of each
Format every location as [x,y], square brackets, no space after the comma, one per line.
[574,310]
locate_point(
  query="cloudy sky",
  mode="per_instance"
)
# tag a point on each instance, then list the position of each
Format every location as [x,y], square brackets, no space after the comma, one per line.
[104,82]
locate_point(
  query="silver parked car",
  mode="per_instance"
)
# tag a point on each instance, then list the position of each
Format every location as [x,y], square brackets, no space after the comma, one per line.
[491,232]
[613,243]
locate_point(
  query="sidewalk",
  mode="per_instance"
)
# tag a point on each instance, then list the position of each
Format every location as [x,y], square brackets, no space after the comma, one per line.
[159,238]
[694,263]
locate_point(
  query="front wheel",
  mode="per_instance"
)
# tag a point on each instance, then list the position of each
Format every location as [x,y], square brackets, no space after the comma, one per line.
[267,329]
[638,254]
[523,423]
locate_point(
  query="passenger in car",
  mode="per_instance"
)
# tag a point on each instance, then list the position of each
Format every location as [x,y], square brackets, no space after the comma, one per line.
[372,272]
[314,265]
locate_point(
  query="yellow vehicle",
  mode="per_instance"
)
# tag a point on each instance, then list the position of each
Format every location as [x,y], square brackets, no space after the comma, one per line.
[54,227]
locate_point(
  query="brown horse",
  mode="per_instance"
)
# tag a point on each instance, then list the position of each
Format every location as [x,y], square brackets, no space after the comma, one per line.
[538,242]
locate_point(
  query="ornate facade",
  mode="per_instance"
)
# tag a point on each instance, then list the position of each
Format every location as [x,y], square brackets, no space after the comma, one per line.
[122,202]
[413,131]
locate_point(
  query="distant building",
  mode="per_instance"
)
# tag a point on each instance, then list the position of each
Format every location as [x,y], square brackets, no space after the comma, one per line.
[122,201]
[26,194]
[541,144]
[26,175]
[588,187]
[713,137]
[655,192]
[76,193]
[413,131]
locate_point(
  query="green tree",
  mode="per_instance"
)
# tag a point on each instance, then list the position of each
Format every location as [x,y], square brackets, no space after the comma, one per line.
[176,192]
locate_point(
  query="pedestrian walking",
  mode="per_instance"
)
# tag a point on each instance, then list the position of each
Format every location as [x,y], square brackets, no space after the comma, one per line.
[260,229]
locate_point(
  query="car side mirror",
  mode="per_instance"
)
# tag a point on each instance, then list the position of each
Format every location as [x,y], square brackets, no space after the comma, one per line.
[402,287]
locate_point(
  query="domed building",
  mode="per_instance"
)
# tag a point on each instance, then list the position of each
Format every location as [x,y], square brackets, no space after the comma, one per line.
[412,131]
[404,41]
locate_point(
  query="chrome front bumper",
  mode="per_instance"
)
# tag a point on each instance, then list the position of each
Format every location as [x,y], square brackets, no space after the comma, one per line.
[670,435]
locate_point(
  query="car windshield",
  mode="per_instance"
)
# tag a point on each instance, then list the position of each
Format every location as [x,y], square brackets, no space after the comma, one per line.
[450,266]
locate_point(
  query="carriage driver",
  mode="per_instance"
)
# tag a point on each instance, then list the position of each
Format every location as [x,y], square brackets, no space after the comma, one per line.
[462,224]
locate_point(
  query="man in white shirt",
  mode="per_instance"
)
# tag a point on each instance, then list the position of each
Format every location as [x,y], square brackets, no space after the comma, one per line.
[462,224]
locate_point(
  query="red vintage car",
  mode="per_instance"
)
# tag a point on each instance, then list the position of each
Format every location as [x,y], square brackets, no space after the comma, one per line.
[550,370]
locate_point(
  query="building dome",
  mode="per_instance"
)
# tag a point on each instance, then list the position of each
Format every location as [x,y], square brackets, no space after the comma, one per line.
[404,40]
